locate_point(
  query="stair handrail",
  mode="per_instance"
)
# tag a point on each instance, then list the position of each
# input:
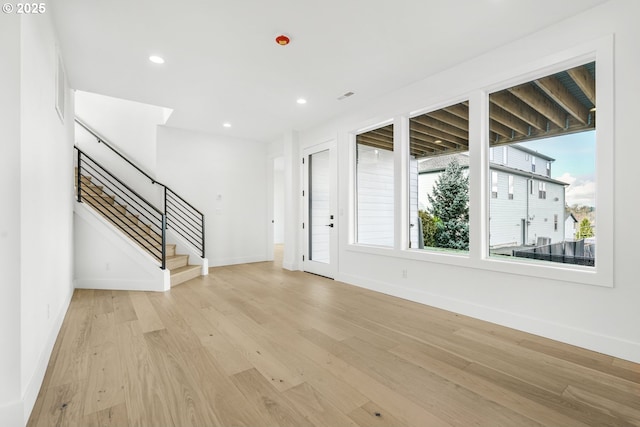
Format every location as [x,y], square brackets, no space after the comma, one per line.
[104,141]
[121,189]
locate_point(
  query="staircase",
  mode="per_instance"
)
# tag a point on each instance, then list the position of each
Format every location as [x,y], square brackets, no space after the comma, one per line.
[139,220]
[136,230]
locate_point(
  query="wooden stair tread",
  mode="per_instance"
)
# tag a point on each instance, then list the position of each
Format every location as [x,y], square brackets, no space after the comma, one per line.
[189,267]
[182,274]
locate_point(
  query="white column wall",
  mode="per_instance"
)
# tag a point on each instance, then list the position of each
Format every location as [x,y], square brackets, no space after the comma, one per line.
[36,177]
[46,206]
[292,256]
[10,239]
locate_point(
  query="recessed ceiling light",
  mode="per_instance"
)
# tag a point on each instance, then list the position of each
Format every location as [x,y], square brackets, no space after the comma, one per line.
[301,101]
[156,59]
[227,125]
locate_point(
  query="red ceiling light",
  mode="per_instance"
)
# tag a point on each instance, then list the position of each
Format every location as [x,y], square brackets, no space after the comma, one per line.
[282,40]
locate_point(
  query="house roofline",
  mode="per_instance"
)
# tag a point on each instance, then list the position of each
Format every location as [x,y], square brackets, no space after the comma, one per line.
[495,166]
[517,146]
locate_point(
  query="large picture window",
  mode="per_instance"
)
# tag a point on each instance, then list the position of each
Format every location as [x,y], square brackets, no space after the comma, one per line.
[375,187]
[439,179]
[550,123]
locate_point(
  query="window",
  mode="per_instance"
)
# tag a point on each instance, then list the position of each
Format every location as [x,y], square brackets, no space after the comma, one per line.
[494,185]
[375,187]
[549,120]
[520,234]
[439,179]
[510,187]
[542,190]
[504,155]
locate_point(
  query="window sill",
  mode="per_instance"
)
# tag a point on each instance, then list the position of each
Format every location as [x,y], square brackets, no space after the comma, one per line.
[522,267]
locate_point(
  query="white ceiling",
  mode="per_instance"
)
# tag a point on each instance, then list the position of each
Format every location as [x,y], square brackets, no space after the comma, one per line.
[223,65]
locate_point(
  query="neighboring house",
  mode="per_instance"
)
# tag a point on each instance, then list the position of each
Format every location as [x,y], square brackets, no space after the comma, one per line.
[570,226]
[527,205]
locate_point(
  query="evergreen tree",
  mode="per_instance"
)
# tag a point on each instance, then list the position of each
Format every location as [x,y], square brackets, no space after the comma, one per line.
[450,205]
[429,226]
[585,230]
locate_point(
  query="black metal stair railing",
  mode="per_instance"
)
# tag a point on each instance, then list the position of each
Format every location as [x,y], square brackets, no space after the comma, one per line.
[176,213]
[121,205]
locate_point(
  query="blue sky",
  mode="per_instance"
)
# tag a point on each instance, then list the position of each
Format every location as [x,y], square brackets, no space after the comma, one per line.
[575,164]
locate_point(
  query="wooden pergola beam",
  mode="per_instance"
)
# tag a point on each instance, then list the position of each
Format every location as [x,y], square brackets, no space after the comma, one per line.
[440,126]
[365,140]
[450,119]
[461,110]
[375,137]
[382,133]
[500,129]
[585,82]
[521,110]
[424,148]
[528,94]
[560,94]
[507,119]
[446,138]
[574,127]
[419,140]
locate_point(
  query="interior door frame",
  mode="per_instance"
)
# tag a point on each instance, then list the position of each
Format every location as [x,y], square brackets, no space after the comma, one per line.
[329,269]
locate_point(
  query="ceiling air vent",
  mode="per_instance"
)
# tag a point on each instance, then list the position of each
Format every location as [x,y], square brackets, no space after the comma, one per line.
[346,95]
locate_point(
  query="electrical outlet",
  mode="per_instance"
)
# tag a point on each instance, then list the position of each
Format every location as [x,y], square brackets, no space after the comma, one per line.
[404,274]
[107,266]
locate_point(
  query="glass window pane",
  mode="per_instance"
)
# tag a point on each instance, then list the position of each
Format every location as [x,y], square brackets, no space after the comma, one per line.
[375,187]
[549,122]
[319,207]
[439,179]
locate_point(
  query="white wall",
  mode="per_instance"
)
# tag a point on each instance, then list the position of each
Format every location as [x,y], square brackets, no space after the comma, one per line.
[128,126]
[36,219]
[600,318]
[10,239]
[278,200]
[226,179]
[106,259]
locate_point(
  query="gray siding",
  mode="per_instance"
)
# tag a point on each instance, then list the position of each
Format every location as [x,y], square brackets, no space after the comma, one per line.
[518,159]
[506,215]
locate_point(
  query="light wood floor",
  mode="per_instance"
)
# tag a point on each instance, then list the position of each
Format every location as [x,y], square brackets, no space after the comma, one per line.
[258,346]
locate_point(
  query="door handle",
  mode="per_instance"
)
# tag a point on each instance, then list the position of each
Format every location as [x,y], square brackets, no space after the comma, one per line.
[329,225]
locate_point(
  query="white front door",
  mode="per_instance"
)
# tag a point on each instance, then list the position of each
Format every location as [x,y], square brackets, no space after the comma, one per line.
[320,219]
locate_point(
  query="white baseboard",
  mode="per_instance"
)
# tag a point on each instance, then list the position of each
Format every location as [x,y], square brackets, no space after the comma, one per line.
[612,346]
[121,285]
[221,262]
[33,387]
